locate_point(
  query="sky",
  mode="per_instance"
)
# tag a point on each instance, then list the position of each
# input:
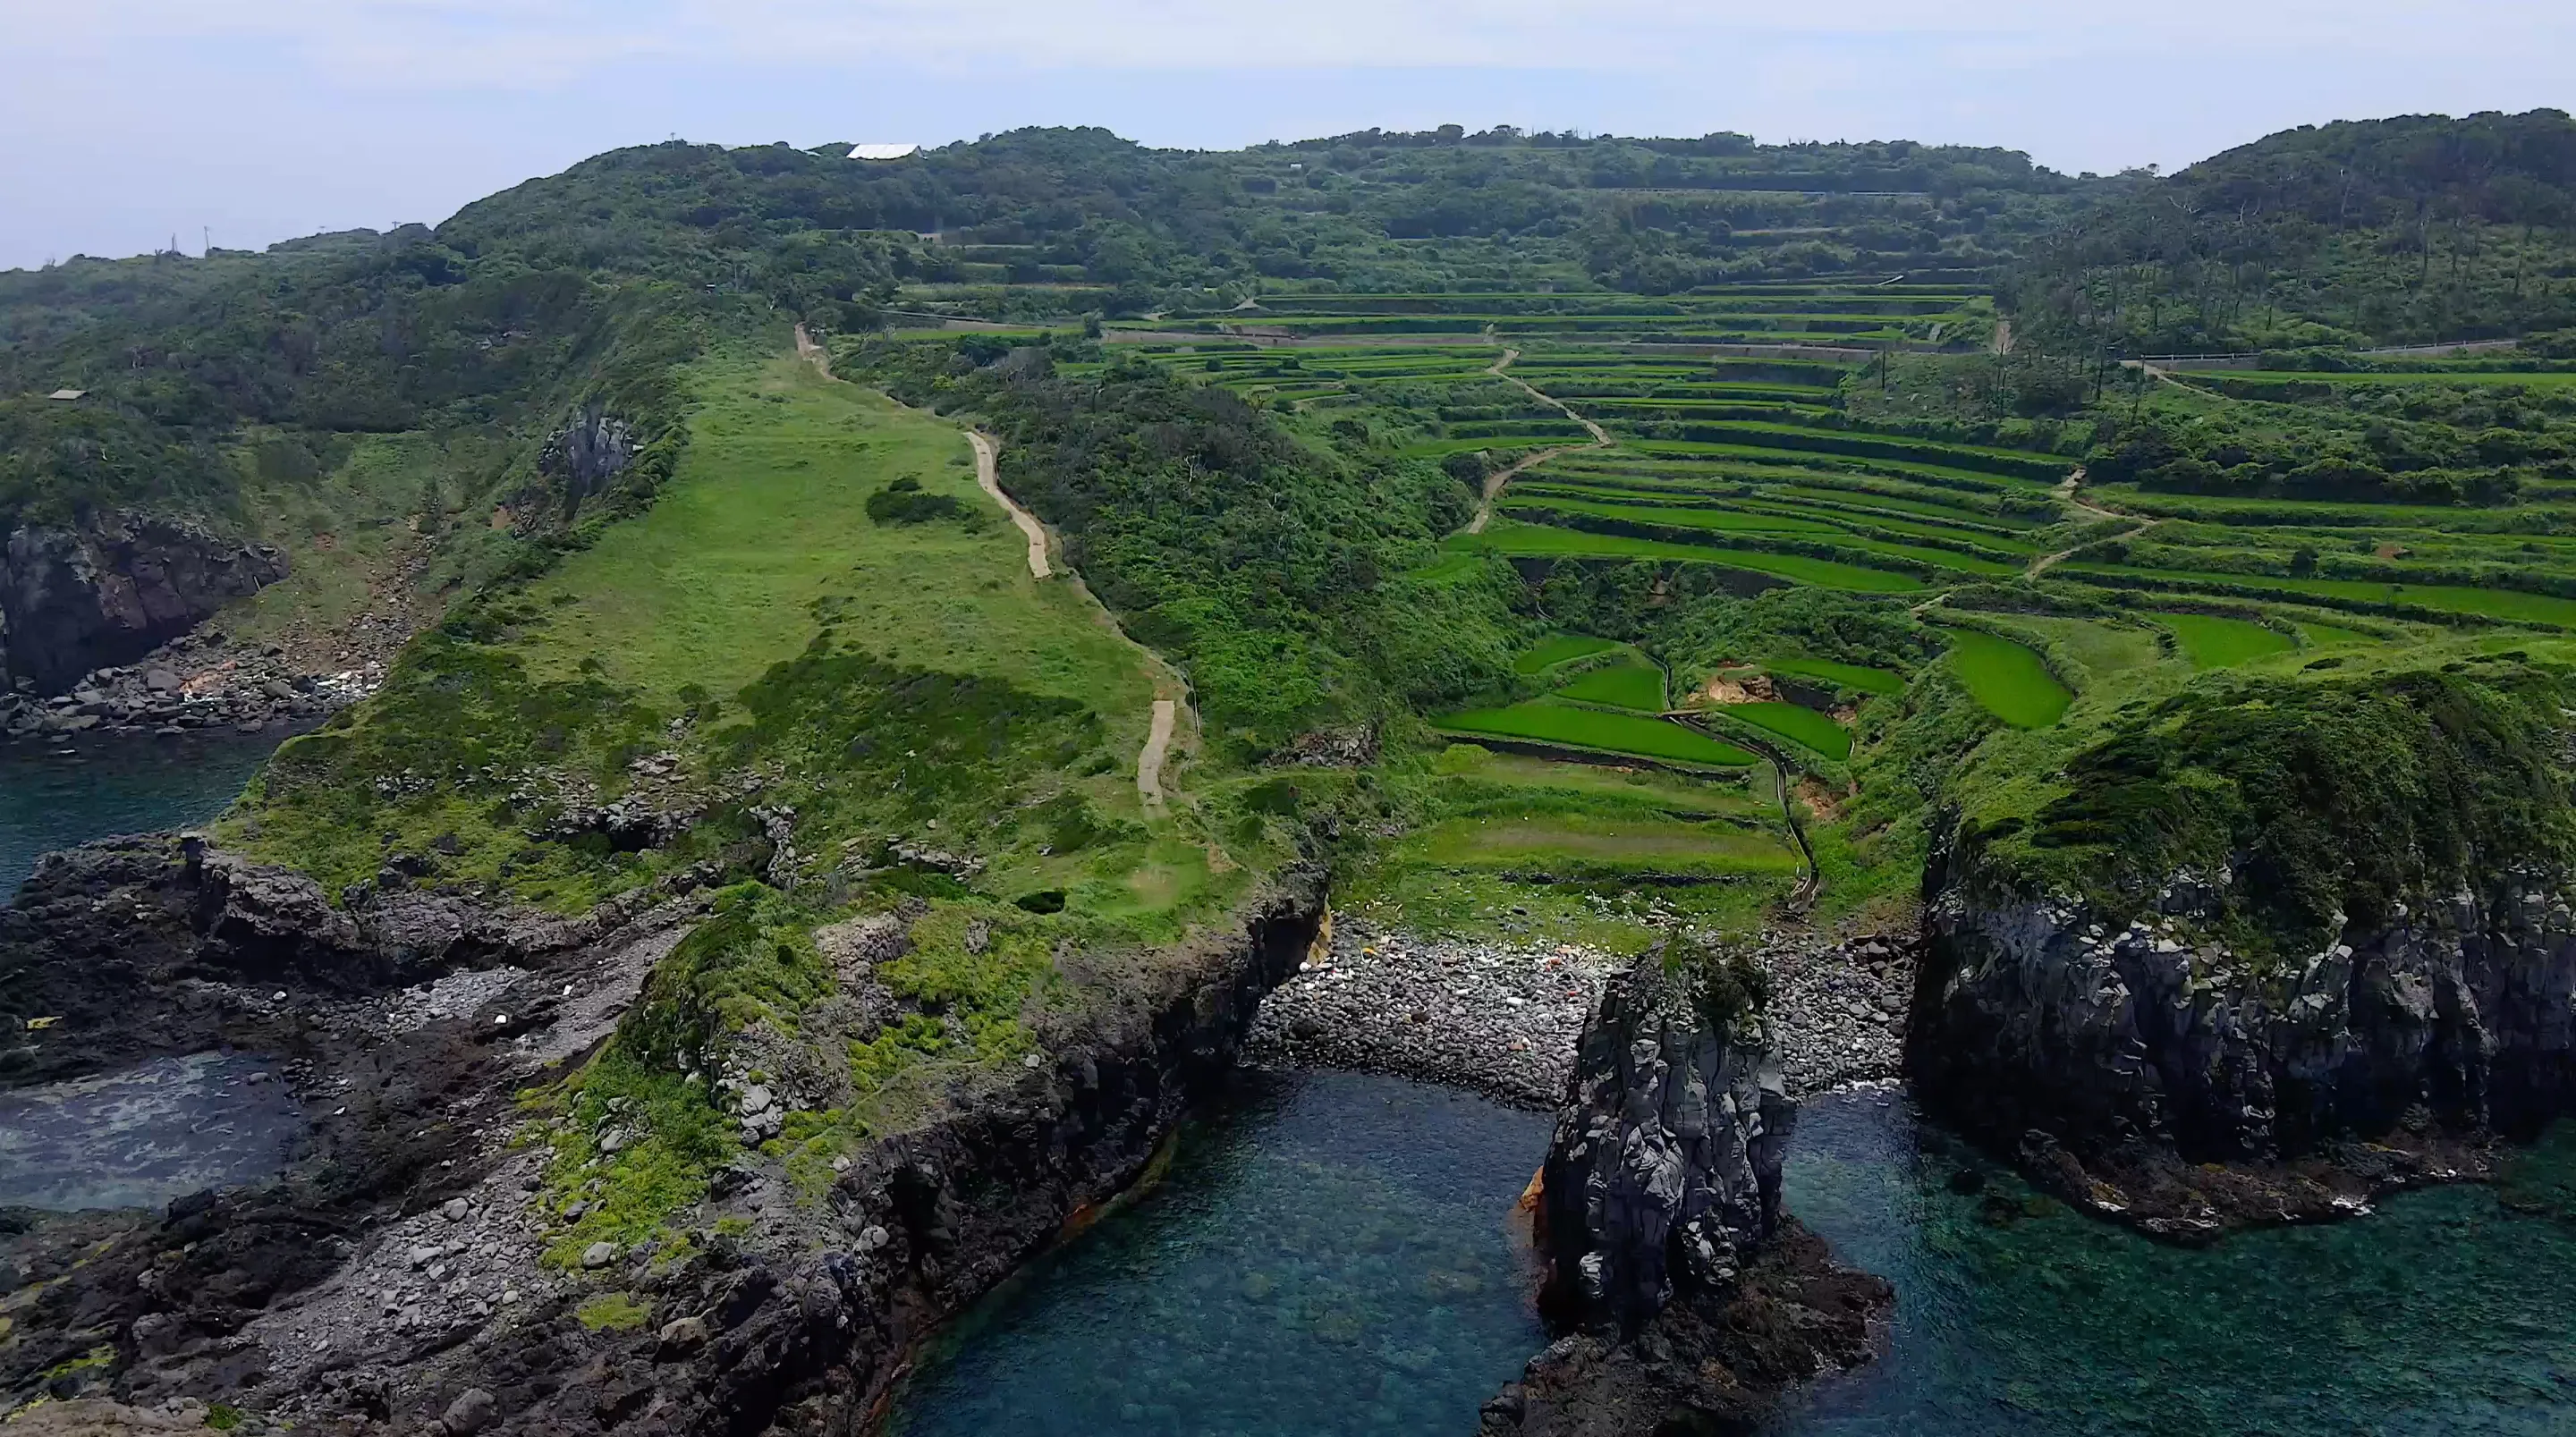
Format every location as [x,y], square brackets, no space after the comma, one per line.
[131,122]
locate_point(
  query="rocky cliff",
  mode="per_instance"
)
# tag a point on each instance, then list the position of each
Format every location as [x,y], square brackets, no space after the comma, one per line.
[396,1275]
[73,600]
[1690,1300]
[2115,1056]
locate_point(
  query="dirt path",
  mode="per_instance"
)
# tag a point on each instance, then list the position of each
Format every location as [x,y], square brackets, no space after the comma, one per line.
[989,477]
[1149,763]
[812,353]
[1501,478]
[1171,690]
[2066,492]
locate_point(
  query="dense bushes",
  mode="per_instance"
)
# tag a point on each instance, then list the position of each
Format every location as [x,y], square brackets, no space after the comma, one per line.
[1271,569]
[2322,803]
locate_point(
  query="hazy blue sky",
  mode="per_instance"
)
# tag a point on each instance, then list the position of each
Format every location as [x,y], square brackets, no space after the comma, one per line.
[129,121]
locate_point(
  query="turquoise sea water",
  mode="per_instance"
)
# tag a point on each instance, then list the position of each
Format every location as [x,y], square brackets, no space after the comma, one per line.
[1333,1255]
[2441,1313]
[1331,1259]
[55,795]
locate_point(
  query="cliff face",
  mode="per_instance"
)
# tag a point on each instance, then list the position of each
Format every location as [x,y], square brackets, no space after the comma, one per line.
[803,1323]
[2040,1026]
[1692,1301]
[72,600]
[1665,1172]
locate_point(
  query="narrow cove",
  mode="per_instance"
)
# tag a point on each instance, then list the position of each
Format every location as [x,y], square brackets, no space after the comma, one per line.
[1335,1254]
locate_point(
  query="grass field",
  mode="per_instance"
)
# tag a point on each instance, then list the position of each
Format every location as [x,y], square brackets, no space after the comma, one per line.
[1849,676]
[1544,721]
[1626,686]
[1666,790]
[1580,845]
[764,532]
[2328,635]
[1797,723]
[1557,649]
[2010,680]
[2212,642]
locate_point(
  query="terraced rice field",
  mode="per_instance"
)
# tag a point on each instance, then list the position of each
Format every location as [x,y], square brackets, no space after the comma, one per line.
[1518,540]
[1849,676]
[2010,680]
[1547,653]
[1549,722]
[1795,722]
[1626,686]
[2508,604]
[2212,642]
[1570,845]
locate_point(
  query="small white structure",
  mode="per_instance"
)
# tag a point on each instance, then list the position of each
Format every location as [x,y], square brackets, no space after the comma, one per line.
[881,152]
[67,394]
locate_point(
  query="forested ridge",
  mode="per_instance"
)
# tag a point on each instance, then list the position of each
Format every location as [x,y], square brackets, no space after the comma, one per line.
[1257,393]
[2418,229]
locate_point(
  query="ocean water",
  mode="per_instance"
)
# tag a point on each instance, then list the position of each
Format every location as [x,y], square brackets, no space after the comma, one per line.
[58,794]
[1335,1257]
[143,1136]
[2443,1312]
[1335,1254]
[169,1127]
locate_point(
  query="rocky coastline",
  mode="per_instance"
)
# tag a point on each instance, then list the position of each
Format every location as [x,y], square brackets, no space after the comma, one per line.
[196,682]
[1502,1018]
[2154,1076]
[111,590]
[394,1279]
[1689,1301]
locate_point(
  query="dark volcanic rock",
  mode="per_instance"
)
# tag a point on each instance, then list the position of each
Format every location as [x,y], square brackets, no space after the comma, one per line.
[72,600]
[1693,1302]
[1665,1171]
[395,1271]
[142,946]
[2114,1057]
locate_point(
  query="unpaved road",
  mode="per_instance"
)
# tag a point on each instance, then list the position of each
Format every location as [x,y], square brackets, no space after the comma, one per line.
[1149,763]
[812,353]
[2067,492]
[1167,712]
[988,475]
[1497,481]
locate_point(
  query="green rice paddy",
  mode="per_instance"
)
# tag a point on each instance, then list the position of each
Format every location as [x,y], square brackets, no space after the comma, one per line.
[2510,604]
[2010,680]
[1557,649]
[2212,642]
[1795,722]
[1550,722]
[1849,676]
[1626,686]
[1535,541]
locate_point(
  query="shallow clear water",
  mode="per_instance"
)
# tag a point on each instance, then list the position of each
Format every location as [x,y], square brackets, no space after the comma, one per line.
[143,1136]
[1333,1255]
[170,1127]
[2441,1313]
[1330,1260]
[58,794]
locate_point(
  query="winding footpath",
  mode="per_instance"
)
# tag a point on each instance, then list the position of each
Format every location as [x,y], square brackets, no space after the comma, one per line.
[2066,492]
[1500,478]
[1167,709]
[988,476]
